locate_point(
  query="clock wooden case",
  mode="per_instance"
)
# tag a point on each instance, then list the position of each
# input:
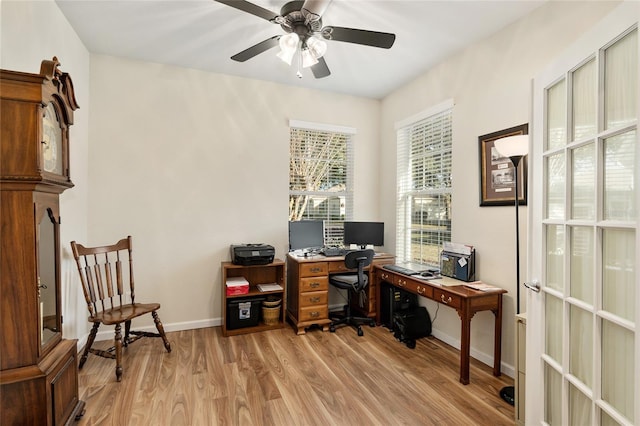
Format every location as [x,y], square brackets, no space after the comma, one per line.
[38,367]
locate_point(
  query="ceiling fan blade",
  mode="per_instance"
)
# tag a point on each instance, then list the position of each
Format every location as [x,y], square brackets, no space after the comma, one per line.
[320,70]
[251,8]
[352,35]
[314,9]
[256,49]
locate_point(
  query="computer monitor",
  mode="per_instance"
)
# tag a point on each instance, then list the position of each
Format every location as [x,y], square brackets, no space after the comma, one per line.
[364,233]
[306,235]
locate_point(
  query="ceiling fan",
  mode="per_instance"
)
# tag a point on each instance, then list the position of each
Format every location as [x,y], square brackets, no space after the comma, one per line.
[302,22]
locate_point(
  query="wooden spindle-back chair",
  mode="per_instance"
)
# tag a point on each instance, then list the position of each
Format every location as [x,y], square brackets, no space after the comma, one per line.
[106,274]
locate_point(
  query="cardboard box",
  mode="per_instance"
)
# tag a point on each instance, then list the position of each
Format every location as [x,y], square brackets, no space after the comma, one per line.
[236,286]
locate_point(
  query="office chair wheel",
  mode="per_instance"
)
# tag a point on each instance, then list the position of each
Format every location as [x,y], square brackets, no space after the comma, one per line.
[332,329]
[360,332]
[411,343]
[372,323]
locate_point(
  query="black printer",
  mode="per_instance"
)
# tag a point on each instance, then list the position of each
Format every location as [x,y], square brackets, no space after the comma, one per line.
[252,254]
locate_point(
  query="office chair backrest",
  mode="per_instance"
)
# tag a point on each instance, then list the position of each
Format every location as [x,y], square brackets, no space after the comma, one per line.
[359,259]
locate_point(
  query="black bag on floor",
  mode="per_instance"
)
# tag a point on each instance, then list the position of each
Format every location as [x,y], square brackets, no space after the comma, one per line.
[411,324]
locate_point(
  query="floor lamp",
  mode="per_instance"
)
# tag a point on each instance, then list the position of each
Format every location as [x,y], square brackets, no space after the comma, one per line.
[514,147]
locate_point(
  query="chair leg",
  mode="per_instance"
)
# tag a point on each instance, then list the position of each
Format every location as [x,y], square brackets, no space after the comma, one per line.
[87,347]
[118,345]
[127,329]
[160,328]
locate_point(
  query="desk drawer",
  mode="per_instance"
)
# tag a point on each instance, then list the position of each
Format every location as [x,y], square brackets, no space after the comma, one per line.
[446,298]
[314,298]
[314,269]
[421,289]
[314,284]
[314,313]
[339,267]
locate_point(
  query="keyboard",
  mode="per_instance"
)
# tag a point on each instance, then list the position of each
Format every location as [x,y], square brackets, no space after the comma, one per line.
[400,269]
[334,251]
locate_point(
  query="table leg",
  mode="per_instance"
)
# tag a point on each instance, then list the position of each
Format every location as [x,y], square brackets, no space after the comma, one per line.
[465,343]
[497,342]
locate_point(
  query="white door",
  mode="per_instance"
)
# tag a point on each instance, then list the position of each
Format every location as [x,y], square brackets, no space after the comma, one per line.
[583,340]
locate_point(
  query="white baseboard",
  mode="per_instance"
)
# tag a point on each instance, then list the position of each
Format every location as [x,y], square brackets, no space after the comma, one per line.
[107,334]
[487,359]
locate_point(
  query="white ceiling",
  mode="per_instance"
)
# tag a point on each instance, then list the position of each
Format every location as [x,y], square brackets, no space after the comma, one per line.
[204,34]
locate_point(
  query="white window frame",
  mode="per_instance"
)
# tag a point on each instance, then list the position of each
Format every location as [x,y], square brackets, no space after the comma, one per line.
[441,114]
[333,228]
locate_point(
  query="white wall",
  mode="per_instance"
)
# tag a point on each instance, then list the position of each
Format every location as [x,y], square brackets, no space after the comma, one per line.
[490,84]
[31,31]
[189,162]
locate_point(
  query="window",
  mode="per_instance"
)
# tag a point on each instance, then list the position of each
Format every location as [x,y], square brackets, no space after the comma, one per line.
[320,176]
[424,185]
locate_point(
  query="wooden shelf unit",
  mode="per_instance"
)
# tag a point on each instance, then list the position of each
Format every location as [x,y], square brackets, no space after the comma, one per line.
[272,273]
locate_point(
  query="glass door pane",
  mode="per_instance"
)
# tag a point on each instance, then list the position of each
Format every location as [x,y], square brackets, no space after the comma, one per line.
[582,264]
[619,176]
[581,345]
[619,272]
[618,369]
[555,186]
[584,101]
[557,115]
[583,182]
[621,81]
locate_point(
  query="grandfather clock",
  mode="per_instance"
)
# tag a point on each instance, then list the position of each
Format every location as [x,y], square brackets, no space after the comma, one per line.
[38,367]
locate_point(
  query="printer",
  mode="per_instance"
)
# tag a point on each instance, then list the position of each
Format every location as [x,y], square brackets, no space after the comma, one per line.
[252,254]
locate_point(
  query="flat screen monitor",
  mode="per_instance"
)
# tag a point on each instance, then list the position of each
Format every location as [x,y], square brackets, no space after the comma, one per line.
[364,233]
[306,235]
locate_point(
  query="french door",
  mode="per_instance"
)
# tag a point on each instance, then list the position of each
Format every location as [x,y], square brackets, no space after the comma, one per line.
[583,340]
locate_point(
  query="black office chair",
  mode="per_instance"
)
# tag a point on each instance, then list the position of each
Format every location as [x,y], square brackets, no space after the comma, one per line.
[354,283]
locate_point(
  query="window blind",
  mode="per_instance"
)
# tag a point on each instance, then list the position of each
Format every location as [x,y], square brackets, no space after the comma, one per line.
[320,176]
[424,145]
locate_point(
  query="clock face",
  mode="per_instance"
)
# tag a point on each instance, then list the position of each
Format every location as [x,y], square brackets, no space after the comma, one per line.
[52,141]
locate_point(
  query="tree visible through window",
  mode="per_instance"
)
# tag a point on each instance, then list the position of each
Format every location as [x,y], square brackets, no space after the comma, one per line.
[320,179]
[424,185]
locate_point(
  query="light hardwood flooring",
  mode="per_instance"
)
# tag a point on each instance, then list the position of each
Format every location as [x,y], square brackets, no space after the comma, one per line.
[279,378]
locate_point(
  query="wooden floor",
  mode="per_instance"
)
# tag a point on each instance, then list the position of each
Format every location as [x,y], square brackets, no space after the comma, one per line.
[279,378]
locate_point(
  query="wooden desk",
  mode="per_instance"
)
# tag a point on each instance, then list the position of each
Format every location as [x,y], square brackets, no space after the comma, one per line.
[464,300]
[308,288]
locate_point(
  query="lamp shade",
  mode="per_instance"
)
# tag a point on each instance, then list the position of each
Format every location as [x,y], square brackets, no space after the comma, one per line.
[288,47]
[317,47]
[512,146]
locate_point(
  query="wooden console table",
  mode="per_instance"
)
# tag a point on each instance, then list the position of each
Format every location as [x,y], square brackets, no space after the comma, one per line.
[464,300]
[308,288]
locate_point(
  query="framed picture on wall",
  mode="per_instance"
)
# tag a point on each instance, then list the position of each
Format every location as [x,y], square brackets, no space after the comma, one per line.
[497,178]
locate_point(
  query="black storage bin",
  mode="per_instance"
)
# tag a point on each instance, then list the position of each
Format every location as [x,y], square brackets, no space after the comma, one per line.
[243,313]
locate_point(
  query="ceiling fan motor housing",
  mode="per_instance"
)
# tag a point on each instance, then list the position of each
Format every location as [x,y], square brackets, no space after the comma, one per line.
[295,21]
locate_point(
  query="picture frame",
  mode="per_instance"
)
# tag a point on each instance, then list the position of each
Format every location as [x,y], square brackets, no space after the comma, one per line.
[497,178]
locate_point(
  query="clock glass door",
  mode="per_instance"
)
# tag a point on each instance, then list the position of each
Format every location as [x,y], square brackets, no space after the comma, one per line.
[47,279]
[52,141]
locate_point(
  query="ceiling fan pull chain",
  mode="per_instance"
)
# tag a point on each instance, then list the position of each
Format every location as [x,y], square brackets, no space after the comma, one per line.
[298,73]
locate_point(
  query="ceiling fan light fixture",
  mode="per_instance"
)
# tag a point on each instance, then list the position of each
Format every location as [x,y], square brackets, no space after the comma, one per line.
[288,47]
[308,58]
[317,47]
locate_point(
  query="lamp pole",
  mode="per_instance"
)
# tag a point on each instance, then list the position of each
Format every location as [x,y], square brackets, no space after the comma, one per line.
[515,159]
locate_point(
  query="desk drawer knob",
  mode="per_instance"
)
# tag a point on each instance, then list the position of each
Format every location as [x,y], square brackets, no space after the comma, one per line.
[314,314]
[445,301]
[316,269]
[402,283]
[314,285]
[421,290]
[385,276]
[314,299]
